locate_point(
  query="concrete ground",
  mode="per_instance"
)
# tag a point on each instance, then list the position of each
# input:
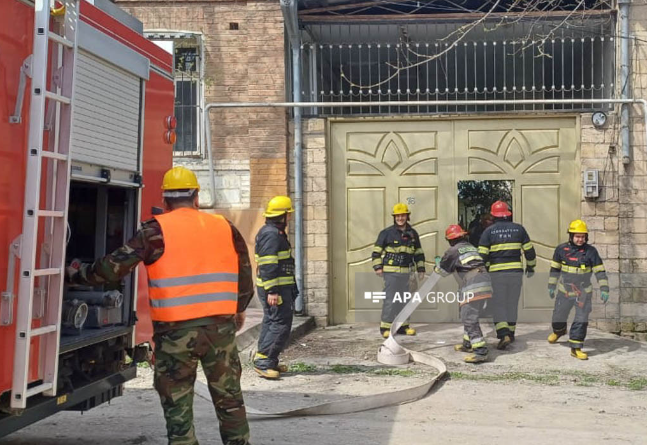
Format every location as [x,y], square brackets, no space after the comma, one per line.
[535,393]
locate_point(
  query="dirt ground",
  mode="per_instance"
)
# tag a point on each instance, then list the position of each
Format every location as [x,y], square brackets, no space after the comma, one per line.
[535,393]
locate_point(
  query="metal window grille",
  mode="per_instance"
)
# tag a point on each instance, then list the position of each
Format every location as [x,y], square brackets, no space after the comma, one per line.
[188,66]
[187,98]
[412,62]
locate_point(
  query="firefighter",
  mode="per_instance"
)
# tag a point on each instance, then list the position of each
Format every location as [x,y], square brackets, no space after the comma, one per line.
[396,253]
[570,280]
[276,286]
[501,246]
[463,260]
[199,284]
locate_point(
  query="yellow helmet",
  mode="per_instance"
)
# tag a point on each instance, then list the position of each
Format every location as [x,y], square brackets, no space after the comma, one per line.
[179,178]
[577,226]
[279,205]
[400,209]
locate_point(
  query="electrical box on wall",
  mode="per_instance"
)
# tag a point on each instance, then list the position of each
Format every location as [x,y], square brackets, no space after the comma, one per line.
[591,184]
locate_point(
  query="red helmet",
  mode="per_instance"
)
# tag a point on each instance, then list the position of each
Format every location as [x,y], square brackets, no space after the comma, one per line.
[500,209]
[454,231]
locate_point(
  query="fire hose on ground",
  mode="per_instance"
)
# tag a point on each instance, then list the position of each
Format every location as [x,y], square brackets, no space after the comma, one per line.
[389,353]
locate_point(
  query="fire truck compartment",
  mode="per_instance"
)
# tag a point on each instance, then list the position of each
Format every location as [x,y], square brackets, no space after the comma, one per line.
[101,218]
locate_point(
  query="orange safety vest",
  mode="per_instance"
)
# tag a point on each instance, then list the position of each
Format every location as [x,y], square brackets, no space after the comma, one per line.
[197,275]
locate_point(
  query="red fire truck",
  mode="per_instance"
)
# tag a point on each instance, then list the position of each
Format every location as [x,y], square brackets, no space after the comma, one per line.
[86,125]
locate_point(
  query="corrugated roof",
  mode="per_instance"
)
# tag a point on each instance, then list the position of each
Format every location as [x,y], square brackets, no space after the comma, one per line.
[370,7]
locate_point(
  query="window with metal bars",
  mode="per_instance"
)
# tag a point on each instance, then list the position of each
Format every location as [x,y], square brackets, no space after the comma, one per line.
[187,98]
[505,61]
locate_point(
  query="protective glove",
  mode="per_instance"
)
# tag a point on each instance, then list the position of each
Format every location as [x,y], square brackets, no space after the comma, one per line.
[604,296]
[530,271]
[551,293]
[437,261]
[72,270]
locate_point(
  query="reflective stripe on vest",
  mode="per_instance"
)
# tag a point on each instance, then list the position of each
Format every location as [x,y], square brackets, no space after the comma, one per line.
[197,275]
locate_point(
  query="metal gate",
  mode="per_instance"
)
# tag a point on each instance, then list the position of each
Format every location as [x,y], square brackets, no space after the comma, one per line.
[378,163]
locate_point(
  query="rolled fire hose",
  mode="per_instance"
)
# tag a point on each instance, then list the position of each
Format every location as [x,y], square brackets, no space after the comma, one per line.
[390,353]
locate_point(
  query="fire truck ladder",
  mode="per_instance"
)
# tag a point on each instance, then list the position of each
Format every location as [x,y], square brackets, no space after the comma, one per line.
[57,154]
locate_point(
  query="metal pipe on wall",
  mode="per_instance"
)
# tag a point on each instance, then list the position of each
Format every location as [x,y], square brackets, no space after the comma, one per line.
[212,173]
[206,131]
[290,14]
[623,6]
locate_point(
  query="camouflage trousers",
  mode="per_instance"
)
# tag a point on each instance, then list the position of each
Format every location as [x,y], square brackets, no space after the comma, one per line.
[177,353]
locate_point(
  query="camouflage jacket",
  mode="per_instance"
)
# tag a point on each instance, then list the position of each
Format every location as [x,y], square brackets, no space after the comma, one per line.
[148,246]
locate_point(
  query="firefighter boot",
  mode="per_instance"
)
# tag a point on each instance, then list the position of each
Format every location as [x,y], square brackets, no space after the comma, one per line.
[385,333]
[553,337]
[260,367]
[271,374]
[466,346]
[504,343]
[578,354]
[406,330]
[476,358]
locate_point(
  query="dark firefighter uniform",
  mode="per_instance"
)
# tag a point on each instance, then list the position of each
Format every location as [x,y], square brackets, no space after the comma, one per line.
[502,246]
[275,274]
[463,260]
[570,279]
[179,345]
[398,253]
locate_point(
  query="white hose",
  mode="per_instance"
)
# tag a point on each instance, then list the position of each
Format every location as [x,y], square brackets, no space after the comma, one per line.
[390,353]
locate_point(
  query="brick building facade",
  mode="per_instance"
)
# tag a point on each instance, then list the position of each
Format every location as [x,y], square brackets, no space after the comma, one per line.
[243,62]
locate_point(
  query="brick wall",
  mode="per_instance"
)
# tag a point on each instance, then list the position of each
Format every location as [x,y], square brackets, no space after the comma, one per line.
[618,224]
[316,213]
[231,180]
[243,65]
[600,150]
[625,228]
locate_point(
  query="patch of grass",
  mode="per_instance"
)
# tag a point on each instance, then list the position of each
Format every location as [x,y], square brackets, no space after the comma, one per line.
[582,375]
[613,382]
[588,380]
[143,365]
[346,369]
[302,367]
[546,379]
[637,384]
[394,371]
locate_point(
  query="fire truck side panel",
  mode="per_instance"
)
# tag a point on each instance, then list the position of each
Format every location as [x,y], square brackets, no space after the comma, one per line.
[125,35]
[157,159]
[16,36]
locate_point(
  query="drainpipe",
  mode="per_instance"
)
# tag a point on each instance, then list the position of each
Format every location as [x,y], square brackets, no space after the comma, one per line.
[623,6]
[290,16]
[206,131]
[212,174]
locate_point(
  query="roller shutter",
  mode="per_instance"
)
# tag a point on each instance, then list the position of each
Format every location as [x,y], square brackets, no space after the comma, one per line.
[106,114]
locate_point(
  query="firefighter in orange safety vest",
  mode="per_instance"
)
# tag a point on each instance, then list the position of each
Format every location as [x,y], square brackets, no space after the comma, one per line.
[199,285]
